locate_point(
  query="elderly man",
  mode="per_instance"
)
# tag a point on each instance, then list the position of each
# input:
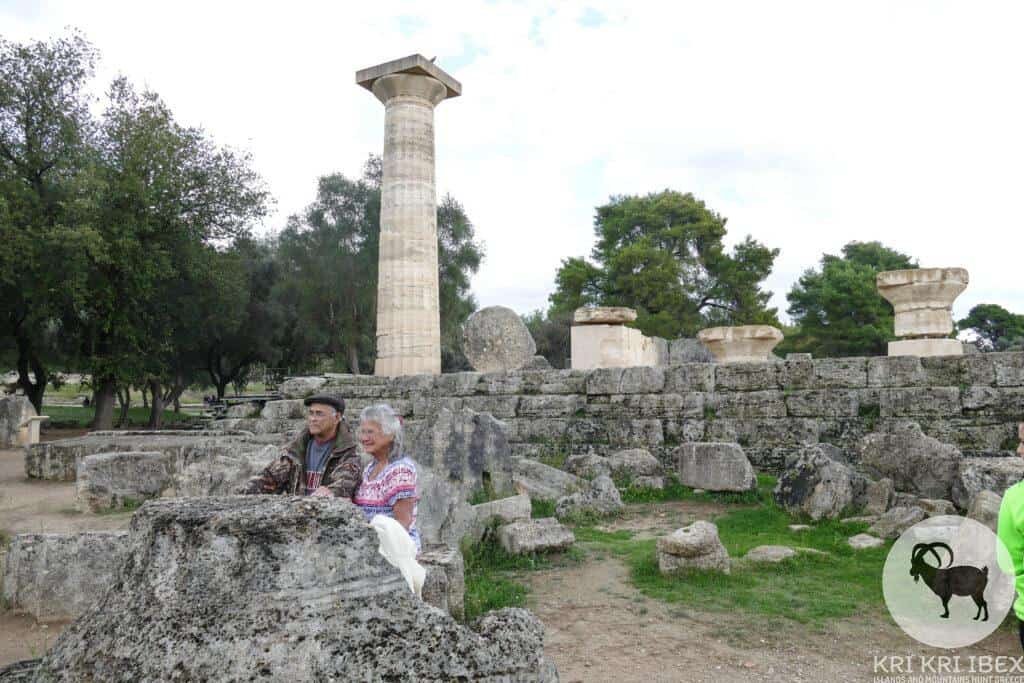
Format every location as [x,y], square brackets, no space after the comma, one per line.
[321,461]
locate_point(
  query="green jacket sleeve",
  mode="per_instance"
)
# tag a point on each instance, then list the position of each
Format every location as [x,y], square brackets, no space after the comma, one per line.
[1009,530]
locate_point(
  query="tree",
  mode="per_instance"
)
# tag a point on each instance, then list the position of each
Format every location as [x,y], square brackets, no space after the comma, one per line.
[663,255]
[552,335]
[458,256]
[44,129]
[837,310]
[997,328]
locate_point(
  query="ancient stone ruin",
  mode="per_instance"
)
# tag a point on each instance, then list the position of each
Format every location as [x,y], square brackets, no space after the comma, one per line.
[279,588]
[922,299]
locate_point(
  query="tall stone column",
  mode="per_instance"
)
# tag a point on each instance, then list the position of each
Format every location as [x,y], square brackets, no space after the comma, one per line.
[408,315]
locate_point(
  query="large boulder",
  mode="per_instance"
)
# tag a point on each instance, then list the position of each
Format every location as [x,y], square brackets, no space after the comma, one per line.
[501,511]
[444,586]
[601,498]
[59,576]
[984,508]
[14,410]
[714,467]
[916,463]
[634,462]
[301,387]
[457,453]
[693,547]
[588,465]
[495,339]
[897,520]
[975,475]
[113,480]
[881,495]
[818,484]
[543,482]
[280,588]
[535,536]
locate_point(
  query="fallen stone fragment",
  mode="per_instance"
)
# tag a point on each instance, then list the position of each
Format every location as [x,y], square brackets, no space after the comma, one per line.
[985,508]
[601,498]
[714,467]
[863,541]
[696,546]
[896,521]
[769,553]
[535,536]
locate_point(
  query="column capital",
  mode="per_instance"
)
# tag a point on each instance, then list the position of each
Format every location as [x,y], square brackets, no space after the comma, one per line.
[417,65]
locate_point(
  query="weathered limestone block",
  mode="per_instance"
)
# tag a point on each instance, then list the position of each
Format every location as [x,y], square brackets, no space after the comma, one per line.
[495,338]
[648,482]
[915,462]
[1008,369]
[445,584]
[920,401]
[864,541]
[696,546]
[603,315]
[281,585]
[535,536]
[59,576]
[538,362]
[501,511]
[750,404]
[817,483]
[769,553]
[997,402]
[897,520]
[692,377]
[683,431]
[925,347]
[984,508]
[301,387]
[563,382]
[896,371]
[501,407]
[544,482]
[645,433]
[750,376]
[936,507]
[289,409]
[682,351]
[741,344]
[222,473]
[975,475]
[14,411]
[764,432]
[110,480]
[822,403]
[653,405]
[550,405]
[600,498]
[881,495]
[714,467]
[634,462]
[457,384]
[241,410]
[587,465]
[632,380]
[824,373]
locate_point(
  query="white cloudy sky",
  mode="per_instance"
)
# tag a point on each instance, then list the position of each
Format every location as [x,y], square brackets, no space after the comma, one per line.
[807,124]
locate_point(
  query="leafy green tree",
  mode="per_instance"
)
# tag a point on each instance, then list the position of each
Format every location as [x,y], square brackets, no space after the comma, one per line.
[837,310]
[551,333]
[997,328]
[45,126]
[663,255]
[458,256]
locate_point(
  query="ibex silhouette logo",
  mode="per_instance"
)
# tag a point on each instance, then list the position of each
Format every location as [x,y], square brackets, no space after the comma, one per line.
[948,581]
[961,563]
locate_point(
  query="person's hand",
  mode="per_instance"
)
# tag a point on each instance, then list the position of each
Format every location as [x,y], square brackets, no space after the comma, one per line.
[323,492]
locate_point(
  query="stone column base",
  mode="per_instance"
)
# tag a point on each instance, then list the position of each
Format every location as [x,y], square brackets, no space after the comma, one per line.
[926,347]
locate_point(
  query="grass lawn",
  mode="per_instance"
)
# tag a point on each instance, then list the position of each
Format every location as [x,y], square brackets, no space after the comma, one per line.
[80,417]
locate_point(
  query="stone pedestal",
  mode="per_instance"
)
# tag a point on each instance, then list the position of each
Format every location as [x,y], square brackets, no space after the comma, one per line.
[408,317]
[922,299]
[600,339]
[742,344]
[28,434]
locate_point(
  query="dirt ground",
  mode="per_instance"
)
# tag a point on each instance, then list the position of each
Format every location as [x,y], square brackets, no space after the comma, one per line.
[599,628]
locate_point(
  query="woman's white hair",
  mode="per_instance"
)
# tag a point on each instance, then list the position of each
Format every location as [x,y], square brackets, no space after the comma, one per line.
[389,422]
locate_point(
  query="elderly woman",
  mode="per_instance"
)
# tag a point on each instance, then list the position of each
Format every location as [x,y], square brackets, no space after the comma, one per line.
[389,481]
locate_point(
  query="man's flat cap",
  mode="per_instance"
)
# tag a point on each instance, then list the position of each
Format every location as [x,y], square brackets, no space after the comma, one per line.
[336,402]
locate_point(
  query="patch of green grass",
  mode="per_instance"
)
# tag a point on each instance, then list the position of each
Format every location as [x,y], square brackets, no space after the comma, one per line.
[675,491]
[80,417]
[809,588]
[541,508]
[709,412]
[488,586]
[554,457]
[487,493]
[1010,443]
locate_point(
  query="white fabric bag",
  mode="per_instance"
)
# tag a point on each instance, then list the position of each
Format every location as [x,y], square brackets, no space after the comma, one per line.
[400,551]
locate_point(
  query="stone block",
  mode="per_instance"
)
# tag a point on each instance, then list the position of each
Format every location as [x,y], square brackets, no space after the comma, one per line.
[495,338]
[916,463]
[603,315]
[648,482]
[822,403]
[535,536]
[1008,368]
[251,409]
[691,377]
[975,475]
[110,480]
[714,467]
[503,510]
[543,482]
[564,382]
[880,496]
[682,351]
[791,431]
[550,405]
[600,498]
[656,405]
[895,371]
[936,507]
[747,376]
[925,347]
[639,433]
[682,431]
[290,409]
[920,402]
[864,541]
[445,584]
[428,406]
[994,401]
[14,411]
[749,404]
[604,381]
[816,482]
[587,465]
[633,462]
[978,369]
[458,383]
[824,373]
[984,508]
[642,380]
[943,371]
[696,546]
[741,344]
[897,520]
[769,553]
[301,387]
[59,576]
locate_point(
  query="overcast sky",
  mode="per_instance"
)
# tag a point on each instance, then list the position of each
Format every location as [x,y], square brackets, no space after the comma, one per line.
[807,125]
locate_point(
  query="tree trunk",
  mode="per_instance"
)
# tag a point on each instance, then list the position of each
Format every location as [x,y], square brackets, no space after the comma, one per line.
[353,359]
[156,411]
[145,396]
[103,401]
[124,397]
[27,357]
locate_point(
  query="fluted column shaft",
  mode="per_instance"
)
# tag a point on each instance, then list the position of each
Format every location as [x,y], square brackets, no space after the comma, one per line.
[408,314]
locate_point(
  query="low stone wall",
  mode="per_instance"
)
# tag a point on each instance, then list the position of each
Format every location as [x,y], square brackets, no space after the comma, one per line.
[59,460]
[972,401]
[57,576]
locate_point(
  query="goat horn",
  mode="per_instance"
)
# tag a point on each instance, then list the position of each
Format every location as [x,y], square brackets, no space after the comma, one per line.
[933,546]
[918,549]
